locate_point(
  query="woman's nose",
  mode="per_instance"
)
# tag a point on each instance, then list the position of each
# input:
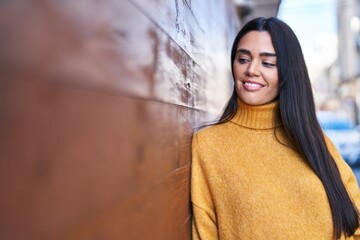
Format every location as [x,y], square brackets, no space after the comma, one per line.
[253,69]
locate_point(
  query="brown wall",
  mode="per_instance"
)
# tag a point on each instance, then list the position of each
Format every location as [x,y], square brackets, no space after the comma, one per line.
[98,101]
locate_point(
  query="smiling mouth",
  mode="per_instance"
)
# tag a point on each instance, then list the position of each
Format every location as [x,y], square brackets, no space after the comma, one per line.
[252,86]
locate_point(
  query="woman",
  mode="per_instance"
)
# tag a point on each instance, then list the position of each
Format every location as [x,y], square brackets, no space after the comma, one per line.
[266,171]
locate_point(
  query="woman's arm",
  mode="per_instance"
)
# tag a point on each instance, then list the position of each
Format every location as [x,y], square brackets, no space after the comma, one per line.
[204,224]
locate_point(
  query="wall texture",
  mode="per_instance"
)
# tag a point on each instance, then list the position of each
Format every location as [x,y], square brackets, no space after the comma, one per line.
[98,102]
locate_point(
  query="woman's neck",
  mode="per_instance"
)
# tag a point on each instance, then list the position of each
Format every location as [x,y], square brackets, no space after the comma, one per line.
[256,116]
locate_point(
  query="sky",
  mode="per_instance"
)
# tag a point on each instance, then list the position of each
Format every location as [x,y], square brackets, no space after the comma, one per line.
[314,23]
[309,18]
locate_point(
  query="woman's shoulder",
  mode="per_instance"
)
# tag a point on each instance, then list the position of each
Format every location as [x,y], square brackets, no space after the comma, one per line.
[208,143]
[213,136]
[210,131]
[343,167]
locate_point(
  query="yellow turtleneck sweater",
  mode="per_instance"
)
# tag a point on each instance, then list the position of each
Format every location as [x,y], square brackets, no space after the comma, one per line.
[247,185]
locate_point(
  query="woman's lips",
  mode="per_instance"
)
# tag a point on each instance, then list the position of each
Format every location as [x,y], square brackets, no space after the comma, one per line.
[252,86]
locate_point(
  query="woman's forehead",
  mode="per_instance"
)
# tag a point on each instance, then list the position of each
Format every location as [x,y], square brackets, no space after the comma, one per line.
[256,42]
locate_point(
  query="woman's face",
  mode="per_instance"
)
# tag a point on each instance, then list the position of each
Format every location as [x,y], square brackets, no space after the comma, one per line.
[255,70]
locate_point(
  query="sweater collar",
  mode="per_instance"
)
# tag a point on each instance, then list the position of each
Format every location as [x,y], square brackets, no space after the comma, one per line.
[256,117]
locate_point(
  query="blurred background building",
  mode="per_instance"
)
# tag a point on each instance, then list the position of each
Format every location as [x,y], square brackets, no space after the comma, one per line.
[328,31]
[348,86]
[345,79]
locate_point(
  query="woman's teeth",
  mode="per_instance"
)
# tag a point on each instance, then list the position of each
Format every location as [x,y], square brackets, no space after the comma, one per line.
[252,86]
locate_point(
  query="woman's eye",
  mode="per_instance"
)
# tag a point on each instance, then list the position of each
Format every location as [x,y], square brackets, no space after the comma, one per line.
[243,60]
[267,64]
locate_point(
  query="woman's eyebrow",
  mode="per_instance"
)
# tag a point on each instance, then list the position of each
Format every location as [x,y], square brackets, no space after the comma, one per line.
[262,54]
[267,54]
[243,51]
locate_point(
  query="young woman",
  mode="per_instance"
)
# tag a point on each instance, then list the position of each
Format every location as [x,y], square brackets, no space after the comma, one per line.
[266,170]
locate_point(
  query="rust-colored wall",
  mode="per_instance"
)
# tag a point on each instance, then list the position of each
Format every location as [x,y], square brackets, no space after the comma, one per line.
[98,101]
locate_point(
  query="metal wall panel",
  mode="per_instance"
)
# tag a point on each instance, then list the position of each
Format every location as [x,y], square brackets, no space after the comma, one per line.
[98,102]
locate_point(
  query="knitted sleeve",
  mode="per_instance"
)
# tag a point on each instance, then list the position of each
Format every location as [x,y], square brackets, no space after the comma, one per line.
[204,224]
[348,178]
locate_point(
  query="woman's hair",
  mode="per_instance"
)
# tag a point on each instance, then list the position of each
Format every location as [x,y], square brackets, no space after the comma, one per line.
[296,111]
